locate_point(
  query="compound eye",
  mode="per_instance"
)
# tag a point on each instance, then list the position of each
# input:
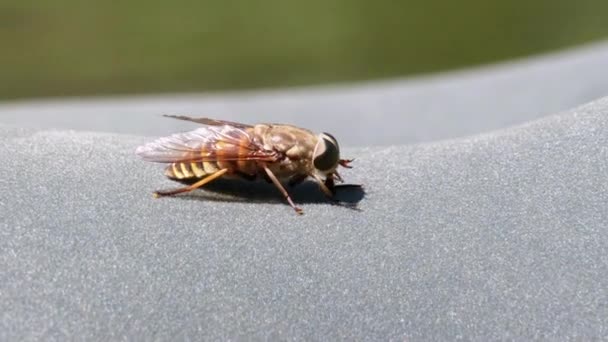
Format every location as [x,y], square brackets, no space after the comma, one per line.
[327,153]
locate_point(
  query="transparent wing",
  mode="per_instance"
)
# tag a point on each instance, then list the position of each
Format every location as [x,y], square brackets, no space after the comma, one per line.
[212,143]
[210,122]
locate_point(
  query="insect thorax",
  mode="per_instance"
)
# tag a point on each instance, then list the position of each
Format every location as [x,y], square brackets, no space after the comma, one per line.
[295,144]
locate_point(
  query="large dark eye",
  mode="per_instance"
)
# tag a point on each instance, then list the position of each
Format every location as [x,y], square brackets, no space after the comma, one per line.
[328,155]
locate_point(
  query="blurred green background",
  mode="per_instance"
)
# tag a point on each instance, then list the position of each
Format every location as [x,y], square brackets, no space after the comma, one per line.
[70,47]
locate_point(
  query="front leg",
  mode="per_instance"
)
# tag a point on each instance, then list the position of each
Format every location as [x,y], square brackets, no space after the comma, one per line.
[326,186]
[330,185]
[329,189]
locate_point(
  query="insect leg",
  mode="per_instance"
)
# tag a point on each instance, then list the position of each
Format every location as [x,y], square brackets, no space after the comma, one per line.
[328,187]
[325,188]
[278,184]
[198,184]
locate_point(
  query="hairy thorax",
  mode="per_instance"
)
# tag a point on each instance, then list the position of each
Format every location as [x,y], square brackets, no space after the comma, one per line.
[293,144]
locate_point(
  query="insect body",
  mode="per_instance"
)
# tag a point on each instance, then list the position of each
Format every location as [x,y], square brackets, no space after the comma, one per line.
[220,148]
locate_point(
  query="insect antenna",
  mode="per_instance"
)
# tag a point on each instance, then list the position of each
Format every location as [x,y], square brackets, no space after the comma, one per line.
[345,163]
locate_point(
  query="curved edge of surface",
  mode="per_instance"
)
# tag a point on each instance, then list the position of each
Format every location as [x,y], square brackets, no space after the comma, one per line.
[422,109]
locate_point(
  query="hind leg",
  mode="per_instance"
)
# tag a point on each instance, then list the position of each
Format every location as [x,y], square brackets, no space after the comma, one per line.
[196,185]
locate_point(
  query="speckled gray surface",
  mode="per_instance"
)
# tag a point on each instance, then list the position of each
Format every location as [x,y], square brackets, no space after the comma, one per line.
[500,235]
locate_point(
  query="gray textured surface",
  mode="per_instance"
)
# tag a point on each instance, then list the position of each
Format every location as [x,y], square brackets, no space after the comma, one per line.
[494,236]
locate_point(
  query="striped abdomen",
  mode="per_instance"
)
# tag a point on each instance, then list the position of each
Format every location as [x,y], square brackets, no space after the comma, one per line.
[194,170]
[191,170]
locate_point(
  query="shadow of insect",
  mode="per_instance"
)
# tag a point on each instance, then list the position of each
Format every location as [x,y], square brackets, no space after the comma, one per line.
[236,190]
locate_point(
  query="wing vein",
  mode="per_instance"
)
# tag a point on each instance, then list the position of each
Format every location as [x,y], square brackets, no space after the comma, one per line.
[211,143]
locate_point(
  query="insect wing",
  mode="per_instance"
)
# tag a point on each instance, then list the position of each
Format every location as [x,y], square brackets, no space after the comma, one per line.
[211,143]
[208,121]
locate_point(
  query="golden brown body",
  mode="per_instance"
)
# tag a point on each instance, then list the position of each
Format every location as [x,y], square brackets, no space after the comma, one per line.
[231,149]
[292,145]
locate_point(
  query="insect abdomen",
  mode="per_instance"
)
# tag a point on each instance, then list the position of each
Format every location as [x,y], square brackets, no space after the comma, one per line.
[191,170]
